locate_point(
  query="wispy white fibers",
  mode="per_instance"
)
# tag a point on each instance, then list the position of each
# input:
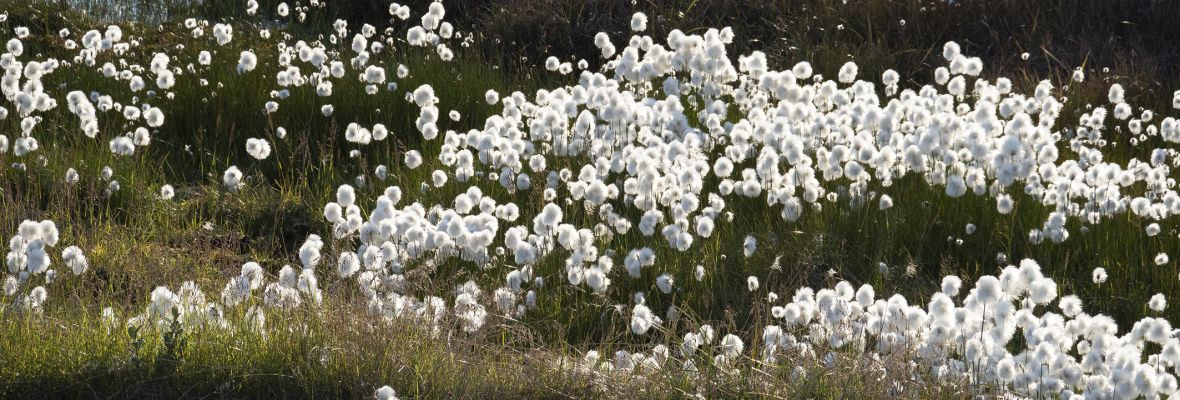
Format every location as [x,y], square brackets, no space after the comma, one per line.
[438,178]
[74,258]
[661,143]
[413,159]
[258,148]
[731,346]
[386,392]
[374,74]
[122,146]
[639,22]
[15,47]
[36,257]
[1158,302]
[642,319]
[309,286]
[309,252]
[36,299]
[247,61]
[223,33]
[1099,275]
[951,285]
[11,285]
[154,117]
[468,310]
[1071,306]
[1152,229]
[664,282]
[848,72]
[602,41]
[232,179]
[347,264]
[1115,94]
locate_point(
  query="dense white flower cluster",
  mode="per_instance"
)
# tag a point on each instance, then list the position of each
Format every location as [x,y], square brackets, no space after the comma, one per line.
[1010,329]
[659,143]
[30,260]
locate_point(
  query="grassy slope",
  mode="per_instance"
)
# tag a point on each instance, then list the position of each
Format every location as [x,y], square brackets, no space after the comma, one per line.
[137,243]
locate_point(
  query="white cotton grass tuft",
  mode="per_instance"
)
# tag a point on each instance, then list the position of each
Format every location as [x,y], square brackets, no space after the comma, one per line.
[424,97]
[731,346]
[603,43]
[122,146]
[253,274]
[74,258]
[1161,258]
[247,61]
[258,148]
[1042,291]
[1099,275]
[347,264]
[385,393]
[167,192]
[749,245]
[1004,204]
[37,259]
[72,176]
[664,282]
[345,196]
[848,72]
[638,22]
[951,285]
[642,319]
[232,179]
[1158,302]
[1152,229]
[11,285]
[36,299]
[951,51]
[15,47]
[1115,94]
[1070,305]
[154,117]
[309,252]
[438,178]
